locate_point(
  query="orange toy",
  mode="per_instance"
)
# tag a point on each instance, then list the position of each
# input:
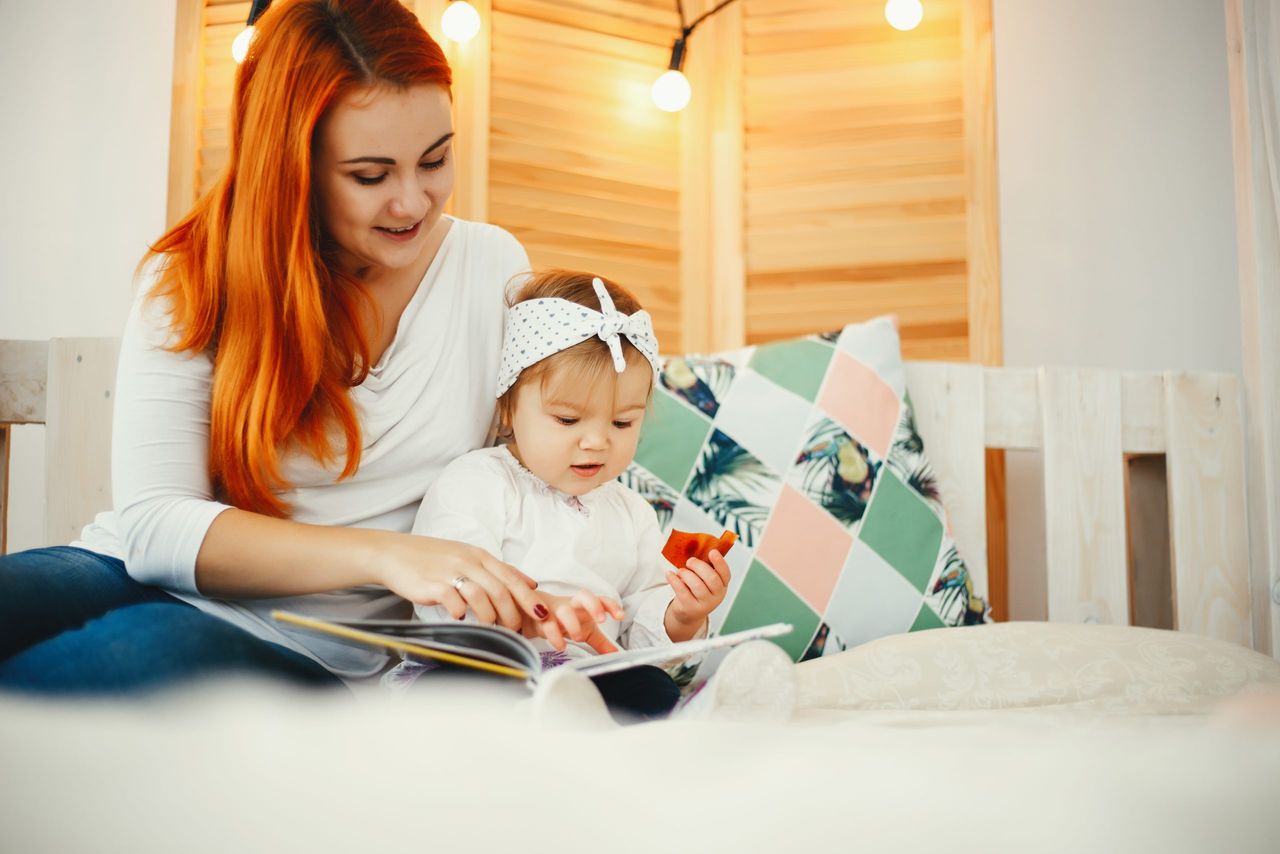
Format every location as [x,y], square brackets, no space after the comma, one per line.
[681,546]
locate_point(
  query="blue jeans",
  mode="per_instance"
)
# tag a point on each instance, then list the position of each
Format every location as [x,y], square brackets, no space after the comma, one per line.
[74,622]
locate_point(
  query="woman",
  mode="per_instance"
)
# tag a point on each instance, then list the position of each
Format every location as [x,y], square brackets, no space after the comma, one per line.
[311,345]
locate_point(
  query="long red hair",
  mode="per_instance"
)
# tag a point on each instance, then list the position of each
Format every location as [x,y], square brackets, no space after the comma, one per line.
[248,272]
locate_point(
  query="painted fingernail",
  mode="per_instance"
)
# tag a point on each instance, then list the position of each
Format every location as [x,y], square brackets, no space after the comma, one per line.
[540,611]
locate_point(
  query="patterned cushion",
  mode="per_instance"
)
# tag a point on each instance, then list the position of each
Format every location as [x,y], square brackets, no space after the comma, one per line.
[807,449]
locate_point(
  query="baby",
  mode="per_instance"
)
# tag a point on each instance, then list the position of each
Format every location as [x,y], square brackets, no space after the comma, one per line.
[578,367]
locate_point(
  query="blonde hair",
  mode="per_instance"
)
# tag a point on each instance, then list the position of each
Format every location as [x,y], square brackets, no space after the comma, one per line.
[585,363]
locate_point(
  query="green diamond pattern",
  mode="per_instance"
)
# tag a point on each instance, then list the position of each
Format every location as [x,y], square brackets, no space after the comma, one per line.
[902,529]
[671,439]
[763,599]
[797,365]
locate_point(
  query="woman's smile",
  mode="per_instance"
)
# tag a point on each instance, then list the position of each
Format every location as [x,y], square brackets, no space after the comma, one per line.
[400,236]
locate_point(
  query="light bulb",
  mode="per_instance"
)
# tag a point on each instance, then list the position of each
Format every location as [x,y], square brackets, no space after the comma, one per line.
[460,21]
[903,14]
[240,47]
[671,91]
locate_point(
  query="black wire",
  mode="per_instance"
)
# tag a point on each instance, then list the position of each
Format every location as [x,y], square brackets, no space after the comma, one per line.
[702,17]
[258,7]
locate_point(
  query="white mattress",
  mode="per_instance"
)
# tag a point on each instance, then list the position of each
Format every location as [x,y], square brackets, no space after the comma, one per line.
[1017,737]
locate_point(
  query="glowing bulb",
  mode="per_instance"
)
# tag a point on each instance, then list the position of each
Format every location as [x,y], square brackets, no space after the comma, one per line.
[671,91]
[240,47]
[460,21]
[903,14]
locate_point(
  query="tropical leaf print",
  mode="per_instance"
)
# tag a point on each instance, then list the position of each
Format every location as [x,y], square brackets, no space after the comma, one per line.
[648,486]
[952,595]
[837,472]
[733,487]
[702,383]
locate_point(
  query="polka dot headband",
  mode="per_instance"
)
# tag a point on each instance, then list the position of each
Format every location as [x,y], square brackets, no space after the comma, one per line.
[539,328]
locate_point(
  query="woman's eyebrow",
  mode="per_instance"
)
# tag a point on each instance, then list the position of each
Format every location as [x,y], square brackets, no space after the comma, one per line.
[390,161]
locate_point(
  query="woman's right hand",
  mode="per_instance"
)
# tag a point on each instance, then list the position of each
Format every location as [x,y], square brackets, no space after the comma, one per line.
[423,569]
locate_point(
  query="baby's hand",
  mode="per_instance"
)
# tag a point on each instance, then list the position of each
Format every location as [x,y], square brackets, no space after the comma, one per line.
[580,616]
[699,588]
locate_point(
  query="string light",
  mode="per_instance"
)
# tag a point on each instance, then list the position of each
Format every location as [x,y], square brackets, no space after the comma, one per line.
[240,47]
[460,21]
[903,14]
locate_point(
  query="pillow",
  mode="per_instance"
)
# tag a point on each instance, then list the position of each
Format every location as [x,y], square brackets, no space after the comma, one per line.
[807,450]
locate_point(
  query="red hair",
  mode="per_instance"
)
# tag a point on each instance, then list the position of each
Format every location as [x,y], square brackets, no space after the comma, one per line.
[248,273]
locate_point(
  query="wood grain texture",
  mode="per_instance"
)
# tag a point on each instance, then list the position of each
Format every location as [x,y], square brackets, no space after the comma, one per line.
[1251,75]
[1146,491]
[948,406]
[82,376]
[24,370]
[1084,496]
[982,191]
[1207,505]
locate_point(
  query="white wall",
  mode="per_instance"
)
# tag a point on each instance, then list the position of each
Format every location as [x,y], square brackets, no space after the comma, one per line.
[1117,214]
[85,146]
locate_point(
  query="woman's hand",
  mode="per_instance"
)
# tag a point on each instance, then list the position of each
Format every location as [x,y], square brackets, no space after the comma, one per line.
[580,616]
[699,588]
[423,569]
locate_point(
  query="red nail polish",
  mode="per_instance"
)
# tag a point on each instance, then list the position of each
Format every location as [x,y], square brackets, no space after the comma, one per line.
[540,611]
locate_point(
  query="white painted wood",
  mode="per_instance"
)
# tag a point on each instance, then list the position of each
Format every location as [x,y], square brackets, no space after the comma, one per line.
[82,377]
[1142,413]
[23,372]
[1084,488]
[1253,75]
[1012,408]
[947,400]
[1207,506]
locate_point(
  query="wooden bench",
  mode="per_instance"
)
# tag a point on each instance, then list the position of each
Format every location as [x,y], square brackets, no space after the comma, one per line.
[1169,447]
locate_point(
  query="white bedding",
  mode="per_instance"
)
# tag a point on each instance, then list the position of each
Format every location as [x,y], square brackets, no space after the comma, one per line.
[998,738]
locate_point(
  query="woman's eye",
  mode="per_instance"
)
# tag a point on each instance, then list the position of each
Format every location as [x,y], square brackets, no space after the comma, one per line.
[568,422]
[368,182]
[432,164]
[622,425]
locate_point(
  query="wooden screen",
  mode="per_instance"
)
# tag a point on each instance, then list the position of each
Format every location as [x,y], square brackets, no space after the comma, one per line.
[855,172]
[582,168]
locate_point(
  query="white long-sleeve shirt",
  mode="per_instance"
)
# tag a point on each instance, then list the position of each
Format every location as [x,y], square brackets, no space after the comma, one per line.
[606,541]
[428,400]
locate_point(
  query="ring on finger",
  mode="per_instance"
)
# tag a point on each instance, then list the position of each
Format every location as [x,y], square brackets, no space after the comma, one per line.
[458,581]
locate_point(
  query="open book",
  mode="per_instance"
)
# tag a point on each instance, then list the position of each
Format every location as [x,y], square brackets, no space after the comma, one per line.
[499,650]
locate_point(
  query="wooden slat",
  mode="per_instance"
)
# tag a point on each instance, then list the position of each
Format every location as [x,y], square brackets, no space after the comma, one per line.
[1253,112]
[1012,405]
[1084,488]
[1207,506]
[982,192]
[185,109]
[472,81]
[82,378]
[948,404]
[24,369]
[1142,413]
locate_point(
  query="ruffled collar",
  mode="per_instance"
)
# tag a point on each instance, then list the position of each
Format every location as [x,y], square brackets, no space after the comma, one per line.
[541,486]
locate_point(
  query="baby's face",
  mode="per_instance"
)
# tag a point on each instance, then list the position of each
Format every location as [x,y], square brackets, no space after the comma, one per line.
[579,438]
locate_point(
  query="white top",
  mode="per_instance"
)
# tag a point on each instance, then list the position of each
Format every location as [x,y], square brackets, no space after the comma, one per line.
[606,541]
[428,400]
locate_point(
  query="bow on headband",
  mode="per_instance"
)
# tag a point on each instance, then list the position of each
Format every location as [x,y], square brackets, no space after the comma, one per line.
[539,328]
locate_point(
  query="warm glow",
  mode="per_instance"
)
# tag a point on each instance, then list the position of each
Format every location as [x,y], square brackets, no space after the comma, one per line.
[903,14]
[240,47]
[460,21]
[671,92]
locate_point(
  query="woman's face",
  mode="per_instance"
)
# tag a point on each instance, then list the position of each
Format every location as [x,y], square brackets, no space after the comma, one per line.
[382,169]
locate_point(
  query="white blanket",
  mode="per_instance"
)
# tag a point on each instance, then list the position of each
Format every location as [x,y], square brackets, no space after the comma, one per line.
[999,738]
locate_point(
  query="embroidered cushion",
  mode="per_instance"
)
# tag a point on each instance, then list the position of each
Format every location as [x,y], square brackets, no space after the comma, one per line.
[807,450]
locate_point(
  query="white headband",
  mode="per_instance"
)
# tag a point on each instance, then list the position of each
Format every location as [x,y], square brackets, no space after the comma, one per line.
[538,328]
